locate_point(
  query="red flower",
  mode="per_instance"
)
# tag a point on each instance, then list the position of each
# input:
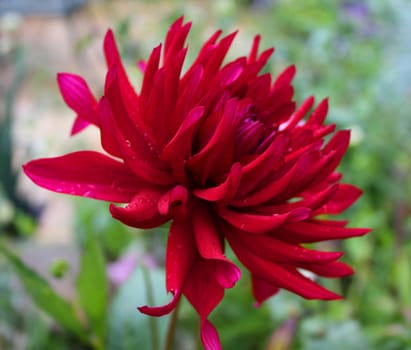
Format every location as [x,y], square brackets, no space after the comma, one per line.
[223,153]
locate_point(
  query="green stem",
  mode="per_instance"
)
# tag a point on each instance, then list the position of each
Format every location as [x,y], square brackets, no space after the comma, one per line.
[150,301]
[171,328]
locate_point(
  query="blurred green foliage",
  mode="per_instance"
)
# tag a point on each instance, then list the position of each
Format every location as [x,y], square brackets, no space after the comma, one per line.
[357,54]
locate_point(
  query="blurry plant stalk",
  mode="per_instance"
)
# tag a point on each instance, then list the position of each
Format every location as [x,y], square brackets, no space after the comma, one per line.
[282,337]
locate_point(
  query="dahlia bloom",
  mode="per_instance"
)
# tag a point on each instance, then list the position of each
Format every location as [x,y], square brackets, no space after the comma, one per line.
[223,153]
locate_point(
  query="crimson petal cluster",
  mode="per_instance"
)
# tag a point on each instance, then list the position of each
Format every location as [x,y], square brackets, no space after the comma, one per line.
[221,151]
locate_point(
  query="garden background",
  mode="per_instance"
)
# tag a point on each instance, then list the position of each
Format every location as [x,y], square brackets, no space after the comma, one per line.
[95,271]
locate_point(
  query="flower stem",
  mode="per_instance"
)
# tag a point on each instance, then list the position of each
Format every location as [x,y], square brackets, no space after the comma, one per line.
[150,300]
[171,328]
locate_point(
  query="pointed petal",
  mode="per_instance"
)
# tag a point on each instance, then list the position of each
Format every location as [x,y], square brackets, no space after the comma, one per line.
[202,289]
[332,269]
[135,147]
[176,35]
[217,154]
[262,289]
[318,116]
[338,145]
[313,200]
[269,190]
[209,336]
[285,77]
[113,59]
[263,164]
[280,275]
[150,70]
[78,125]
[77,94]
[179,147]
[79,98]
[216,58]
[111,52]
[85,173]
[273,249]
[345,196]
[316,231]
[254,49]
[230,73]
[260,224]
[299,114]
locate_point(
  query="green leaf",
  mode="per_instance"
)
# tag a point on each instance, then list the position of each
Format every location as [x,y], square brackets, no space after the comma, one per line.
[402,276]
[44,296]
[92,286]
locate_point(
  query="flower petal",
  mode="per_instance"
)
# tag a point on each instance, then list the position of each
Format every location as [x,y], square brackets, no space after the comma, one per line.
[142,210]
[262,165]
[262,289]
[285,77]
[299,114]
[217,153]
[273,249]
[174,202]
[79,98]
[332,269]
[259,224]
[317,117]
[78,125]
[161,310]
[345,196]
[209,336]
[210,245]
[266,191]
[136,149]
[281,275]
[108,133]
[202,289]
[224,191]
[316,231]
[180,256]
[183,137]
[179,147]
[179,263]
[113,59]
[85,173]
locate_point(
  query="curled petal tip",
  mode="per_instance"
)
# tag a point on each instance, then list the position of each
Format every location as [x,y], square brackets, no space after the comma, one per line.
[161,310]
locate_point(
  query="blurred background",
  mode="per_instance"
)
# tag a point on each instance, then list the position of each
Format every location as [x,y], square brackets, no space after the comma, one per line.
[71,277]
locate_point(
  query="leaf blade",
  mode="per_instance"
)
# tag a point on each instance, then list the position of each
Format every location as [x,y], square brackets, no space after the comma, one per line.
[44,296]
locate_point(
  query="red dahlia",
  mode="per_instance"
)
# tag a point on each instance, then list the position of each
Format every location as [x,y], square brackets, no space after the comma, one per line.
[222,152]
